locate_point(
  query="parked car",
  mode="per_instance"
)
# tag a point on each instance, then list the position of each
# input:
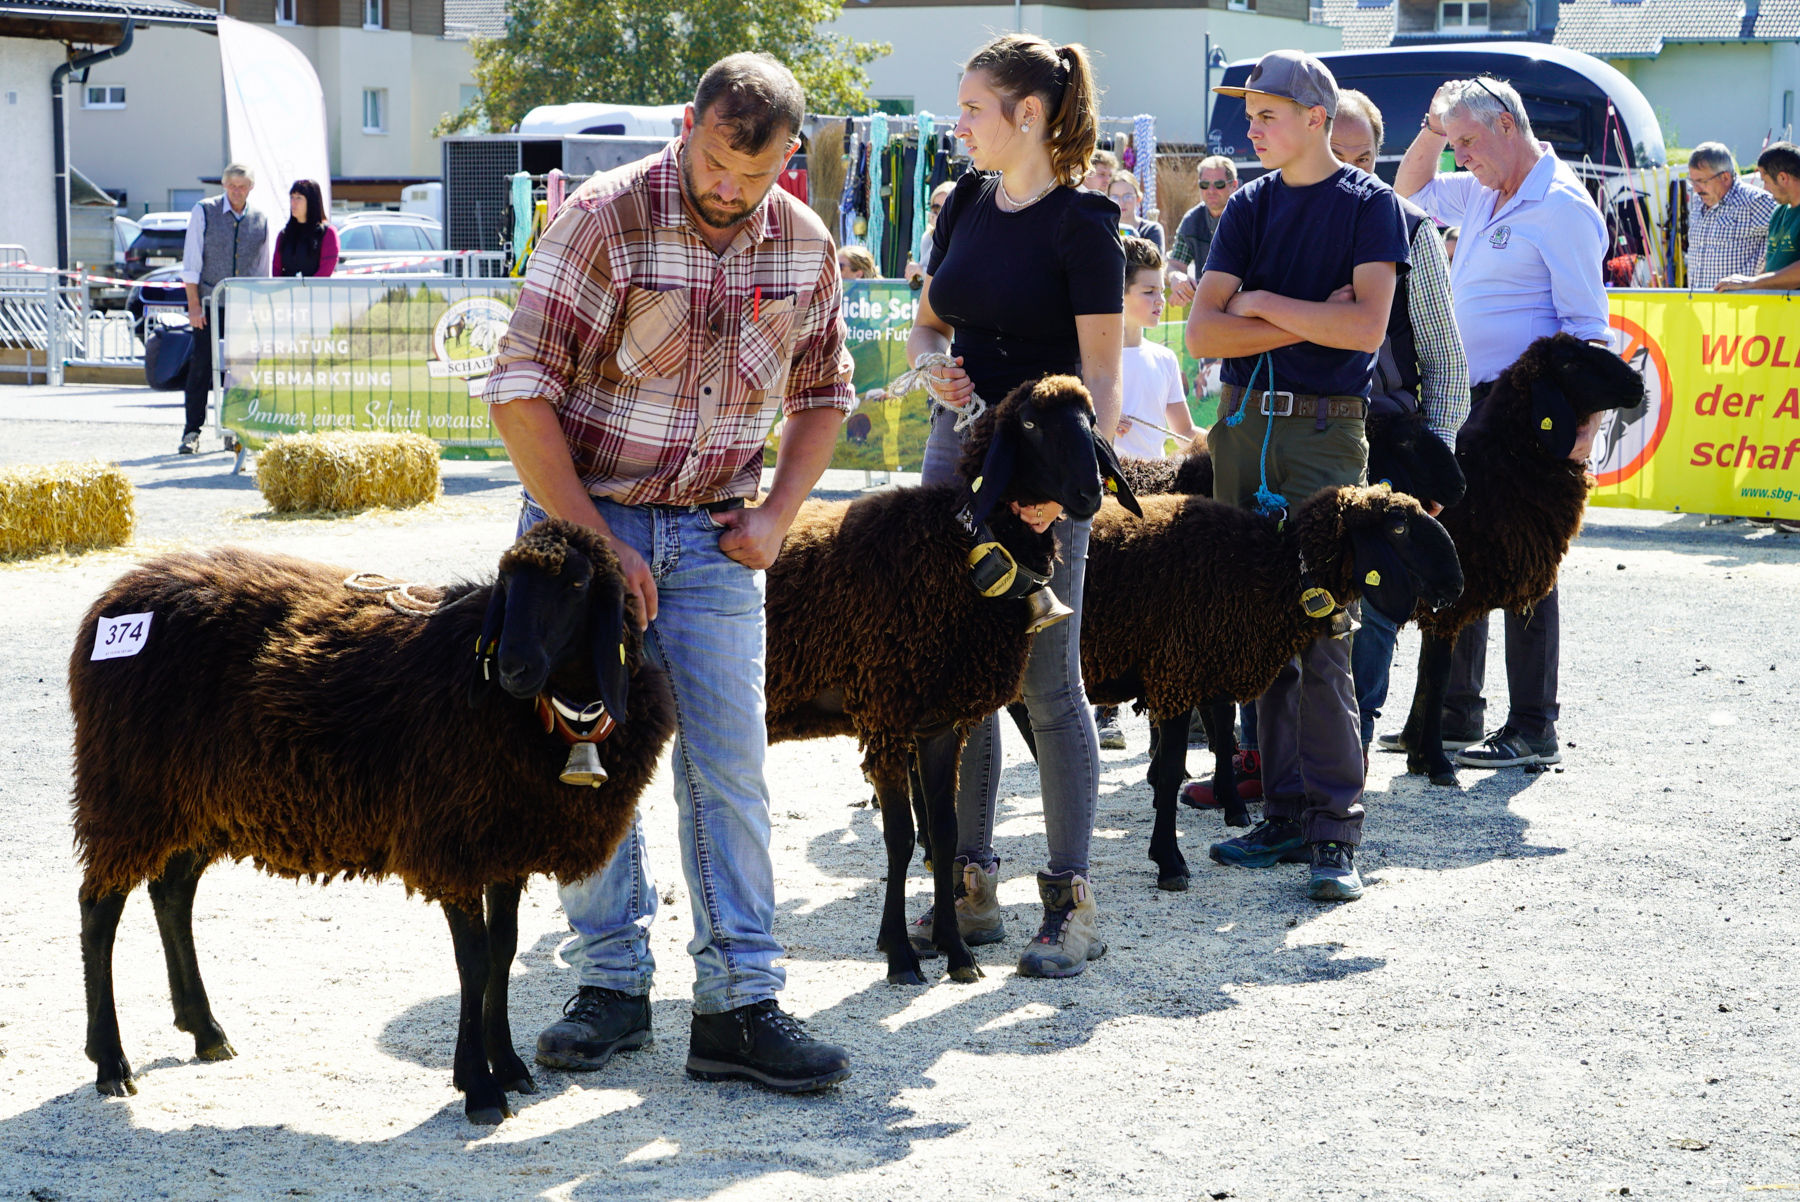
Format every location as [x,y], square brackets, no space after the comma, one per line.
[384,235]
[162,291]
[158,244]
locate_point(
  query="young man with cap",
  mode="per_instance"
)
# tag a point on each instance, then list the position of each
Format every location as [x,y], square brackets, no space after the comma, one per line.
[1295,298]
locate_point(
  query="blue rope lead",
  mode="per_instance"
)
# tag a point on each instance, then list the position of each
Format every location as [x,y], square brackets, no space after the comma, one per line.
[1268,503]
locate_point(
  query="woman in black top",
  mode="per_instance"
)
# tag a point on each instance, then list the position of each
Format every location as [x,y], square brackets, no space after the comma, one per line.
[307,245]
[1027,279]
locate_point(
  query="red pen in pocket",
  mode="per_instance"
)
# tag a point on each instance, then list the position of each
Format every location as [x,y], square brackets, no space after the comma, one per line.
[756,304]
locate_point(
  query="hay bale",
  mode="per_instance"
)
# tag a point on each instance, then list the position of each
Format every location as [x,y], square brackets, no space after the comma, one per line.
[64,506]
[345,470]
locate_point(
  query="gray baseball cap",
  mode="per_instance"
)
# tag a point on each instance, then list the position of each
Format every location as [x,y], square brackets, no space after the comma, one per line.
[1294,75]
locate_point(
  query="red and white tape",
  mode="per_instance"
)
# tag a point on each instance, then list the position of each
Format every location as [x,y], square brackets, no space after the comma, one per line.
[359,267]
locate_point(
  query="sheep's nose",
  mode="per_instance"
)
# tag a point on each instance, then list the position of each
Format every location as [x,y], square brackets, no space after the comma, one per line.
[521,677]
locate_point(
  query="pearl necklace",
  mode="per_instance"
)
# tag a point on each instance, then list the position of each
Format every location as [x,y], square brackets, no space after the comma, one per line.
[1017,205]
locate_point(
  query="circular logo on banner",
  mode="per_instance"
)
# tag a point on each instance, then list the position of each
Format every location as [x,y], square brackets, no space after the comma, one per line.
[1627,438]
[467,335]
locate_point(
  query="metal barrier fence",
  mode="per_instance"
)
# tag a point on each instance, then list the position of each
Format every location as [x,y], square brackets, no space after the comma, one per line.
[395,352]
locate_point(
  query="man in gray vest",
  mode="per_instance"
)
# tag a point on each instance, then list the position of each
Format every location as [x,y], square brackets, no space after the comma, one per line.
[225,238]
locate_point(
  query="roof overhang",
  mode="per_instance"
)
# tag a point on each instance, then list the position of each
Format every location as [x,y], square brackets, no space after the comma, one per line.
[95,24]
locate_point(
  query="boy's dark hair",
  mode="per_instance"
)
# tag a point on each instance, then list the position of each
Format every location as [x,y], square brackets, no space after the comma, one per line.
[755,97]
[1140,255]
[1779,158]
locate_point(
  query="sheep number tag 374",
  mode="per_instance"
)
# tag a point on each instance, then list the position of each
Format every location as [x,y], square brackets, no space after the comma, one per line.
[116,638]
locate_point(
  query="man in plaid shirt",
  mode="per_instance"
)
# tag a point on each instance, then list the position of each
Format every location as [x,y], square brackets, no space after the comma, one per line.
[673,307]
[1728,231]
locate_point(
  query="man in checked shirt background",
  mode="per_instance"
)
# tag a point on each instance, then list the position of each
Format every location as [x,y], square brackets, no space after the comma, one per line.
[672,307]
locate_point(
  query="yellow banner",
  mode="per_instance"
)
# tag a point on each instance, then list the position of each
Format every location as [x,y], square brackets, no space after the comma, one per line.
[1719,431]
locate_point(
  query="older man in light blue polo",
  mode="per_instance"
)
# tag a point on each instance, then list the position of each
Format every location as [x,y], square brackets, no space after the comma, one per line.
[1528,265]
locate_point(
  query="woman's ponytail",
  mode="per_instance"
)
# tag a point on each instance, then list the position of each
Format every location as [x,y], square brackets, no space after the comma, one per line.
[1076,129]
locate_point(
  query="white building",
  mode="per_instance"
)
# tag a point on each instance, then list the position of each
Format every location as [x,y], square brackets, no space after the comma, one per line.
[1149,54]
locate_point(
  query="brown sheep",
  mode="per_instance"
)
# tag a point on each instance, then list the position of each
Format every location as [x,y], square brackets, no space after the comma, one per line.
[876,629]
[1201,603]
[1522,509]
[277,714]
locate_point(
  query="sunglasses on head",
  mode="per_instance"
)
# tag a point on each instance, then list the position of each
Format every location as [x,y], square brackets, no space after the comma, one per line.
[1215,183]
[1498,99]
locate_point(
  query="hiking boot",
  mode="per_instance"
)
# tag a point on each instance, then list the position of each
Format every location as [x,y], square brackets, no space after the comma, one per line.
[764,1045]
[190,443]
[1247,765]
[1452,742]
[1507,748]
[1106,722]
[1070,935]
[1334,875]
[596,1022]
[978,914]
[1271,841]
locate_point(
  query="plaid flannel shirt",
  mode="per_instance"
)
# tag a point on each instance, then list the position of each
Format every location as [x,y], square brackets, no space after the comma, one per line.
[1730,238]
[1443,367]
[667,362]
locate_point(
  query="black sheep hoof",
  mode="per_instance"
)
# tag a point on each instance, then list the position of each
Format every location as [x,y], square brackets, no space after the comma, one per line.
[487,1116]
[116,1087]
[908,976]
[221,1050]
[967,975]
[1444,776]
[1174,882]
[1238,815]
[520,1085]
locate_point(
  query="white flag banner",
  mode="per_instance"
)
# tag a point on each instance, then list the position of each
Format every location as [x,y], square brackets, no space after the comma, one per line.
[275,111]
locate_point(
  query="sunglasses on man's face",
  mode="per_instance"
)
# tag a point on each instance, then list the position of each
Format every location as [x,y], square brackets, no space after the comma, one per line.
[937,208]
[1215,183]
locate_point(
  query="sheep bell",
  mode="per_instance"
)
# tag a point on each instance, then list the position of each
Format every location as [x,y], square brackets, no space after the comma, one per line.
[584,767]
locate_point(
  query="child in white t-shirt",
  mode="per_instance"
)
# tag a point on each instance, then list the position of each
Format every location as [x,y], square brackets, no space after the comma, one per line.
[1154,396]
[1151,375]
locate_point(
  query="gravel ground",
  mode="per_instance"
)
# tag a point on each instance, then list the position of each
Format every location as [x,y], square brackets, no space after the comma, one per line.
[1562,985]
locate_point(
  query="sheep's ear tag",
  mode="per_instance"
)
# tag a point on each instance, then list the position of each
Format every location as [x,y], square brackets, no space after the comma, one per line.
[621,652]
[1546,424]
[1373,579]
[975,484]
[1317,603]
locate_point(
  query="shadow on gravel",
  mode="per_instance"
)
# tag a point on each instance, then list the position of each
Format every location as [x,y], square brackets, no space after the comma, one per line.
[1724,546]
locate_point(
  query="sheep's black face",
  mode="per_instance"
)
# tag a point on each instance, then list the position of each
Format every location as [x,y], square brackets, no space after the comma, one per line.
[1055,460]
[1405,557]
[1583,383]
[546,622]
[1411,459]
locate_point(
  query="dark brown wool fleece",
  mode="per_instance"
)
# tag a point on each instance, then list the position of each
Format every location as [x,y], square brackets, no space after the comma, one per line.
[1190,475]
[277,716]
[871,609]
[1198,599]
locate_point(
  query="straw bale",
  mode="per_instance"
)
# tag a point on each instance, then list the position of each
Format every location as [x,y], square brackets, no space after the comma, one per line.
[346,470]
[71,506]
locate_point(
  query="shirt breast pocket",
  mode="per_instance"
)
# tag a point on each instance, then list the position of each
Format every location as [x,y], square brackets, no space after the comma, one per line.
[655,344]
[765,342]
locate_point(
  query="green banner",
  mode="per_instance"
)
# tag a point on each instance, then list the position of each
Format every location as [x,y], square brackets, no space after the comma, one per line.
[884,433]
[308,355]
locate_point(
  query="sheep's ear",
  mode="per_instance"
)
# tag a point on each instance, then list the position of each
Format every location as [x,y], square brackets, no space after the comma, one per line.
[996,472]
[487,643]
[607,630]
[1112,476]
[1553,418]
[1381,574]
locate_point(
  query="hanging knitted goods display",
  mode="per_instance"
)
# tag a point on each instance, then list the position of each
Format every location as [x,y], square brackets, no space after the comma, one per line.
[878,140]
[1143,136]
[921,186]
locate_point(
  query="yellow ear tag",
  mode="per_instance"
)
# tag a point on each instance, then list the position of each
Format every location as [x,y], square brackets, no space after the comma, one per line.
[1546,424]
[1373,578]
[975,484]
[1112,485]
[621,652]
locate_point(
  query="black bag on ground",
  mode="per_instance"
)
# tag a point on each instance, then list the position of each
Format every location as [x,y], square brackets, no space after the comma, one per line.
[167,349]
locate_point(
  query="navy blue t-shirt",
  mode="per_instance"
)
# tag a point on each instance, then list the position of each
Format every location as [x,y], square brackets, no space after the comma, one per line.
[1306,243]
[1010,285]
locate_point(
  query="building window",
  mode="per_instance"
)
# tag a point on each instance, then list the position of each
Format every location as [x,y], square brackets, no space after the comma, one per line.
[1241,6]
[372,14]
[1468,16]
[103,96]
[374,110]
[287,12]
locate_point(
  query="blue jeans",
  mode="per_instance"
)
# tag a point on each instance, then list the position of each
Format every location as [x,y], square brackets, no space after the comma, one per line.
[1371,656]
[1068,747]
[708,636]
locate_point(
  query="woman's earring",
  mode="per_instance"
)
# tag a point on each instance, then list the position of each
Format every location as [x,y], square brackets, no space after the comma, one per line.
[1025,128]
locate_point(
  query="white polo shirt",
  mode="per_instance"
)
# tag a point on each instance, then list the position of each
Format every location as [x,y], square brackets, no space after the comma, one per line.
[1526,270]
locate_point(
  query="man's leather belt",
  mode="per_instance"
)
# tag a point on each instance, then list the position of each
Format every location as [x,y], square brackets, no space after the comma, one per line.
[1294,404]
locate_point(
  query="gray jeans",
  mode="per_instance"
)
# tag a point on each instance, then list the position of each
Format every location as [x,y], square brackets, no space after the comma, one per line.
[1067,746]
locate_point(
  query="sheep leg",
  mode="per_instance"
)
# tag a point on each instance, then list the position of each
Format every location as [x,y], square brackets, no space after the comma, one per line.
[1428,712]
[1168,765]
[172,895]
[99,923]
[921,824]
[484,1102]
[496,1030]
[897,833]
[1221,737]
[938,753]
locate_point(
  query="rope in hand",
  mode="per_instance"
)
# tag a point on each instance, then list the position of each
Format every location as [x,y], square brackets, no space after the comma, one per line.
[919,376]
[397,593]
[1268,503]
